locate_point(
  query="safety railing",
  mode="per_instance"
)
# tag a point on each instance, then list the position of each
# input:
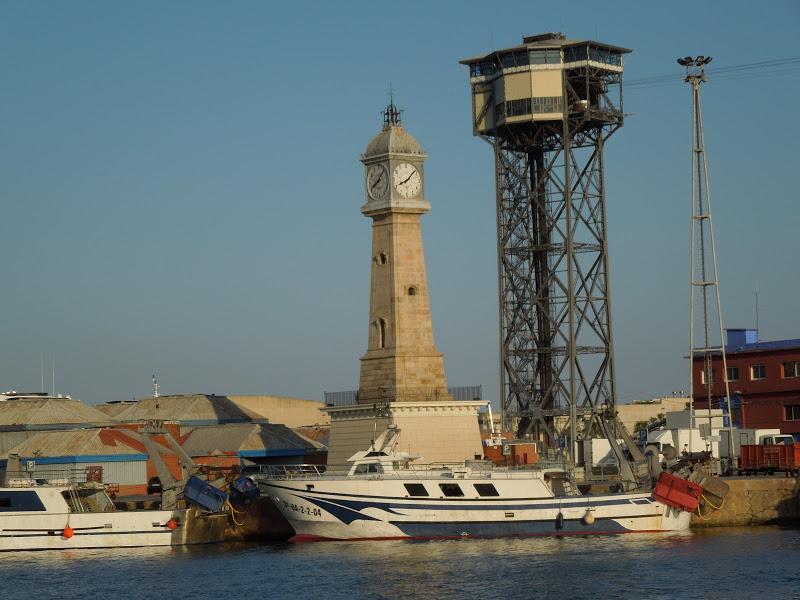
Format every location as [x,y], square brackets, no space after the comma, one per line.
[475,470]
[45,476]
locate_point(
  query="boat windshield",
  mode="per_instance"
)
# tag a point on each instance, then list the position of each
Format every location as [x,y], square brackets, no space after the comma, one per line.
[366,468]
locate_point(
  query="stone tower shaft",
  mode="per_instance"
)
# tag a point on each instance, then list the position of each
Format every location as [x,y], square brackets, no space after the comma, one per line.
[401,363]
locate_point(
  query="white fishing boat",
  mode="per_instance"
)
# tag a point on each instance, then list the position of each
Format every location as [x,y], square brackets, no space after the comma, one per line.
[60,516]
[385,495]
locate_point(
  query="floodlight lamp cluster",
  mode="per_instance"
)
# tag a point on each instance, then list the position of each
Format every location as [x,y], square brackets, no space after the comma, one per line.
[699,61]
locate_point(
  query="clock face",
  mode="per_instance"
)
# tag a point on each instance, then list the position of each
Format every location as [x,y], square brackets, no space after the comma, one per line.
[407,180]
[377,182]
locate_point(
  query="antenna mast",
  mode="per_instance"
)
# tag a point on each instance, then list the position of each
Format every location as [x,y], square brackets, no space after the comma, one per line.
[704,339]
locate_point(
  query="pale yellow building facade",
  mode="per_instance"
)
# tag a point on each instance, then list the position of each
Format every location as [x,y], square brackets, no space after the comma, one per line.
[436,431]
[645,410]
[292,412]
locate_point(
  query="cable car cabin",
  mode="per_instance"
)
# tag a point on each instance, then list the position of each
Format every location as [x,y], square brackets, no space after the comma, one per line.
[545,80]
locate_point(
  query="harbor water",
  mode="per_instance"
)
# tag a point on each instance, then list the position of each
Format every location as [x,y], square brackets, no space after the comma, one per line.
[715,563]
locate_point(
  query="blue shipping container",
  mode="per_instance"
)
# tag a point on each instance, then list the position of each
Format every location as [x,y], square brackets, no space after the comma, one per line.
[204,494]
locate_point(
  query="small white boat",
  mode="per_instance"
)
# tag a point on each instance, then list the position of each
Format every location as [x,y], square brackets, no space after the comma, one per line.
[385,496]
[59,517]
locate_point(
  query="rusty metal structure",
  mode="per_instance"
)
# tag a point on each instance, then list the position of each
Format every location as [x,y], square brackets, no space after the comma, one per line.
[547,107]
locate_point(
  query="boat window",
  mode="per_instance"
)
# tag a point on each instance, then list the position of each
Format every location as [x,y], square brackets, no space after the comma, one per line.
[486,489]
[451,490]
[415,489]
[368,468]
[22,500]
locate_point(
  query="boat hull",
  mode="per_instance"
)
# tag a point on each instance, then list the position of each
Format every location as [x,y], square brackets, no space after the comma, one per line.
[119,529]
[331,512]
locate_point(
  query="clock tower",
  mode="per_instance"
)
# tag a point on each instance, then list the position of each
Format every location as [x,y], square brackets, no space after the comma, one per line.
[401,363]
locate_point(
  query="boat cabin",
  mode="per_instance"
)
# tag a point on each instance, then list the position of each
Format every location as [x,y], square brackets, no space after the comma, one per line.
[54,499]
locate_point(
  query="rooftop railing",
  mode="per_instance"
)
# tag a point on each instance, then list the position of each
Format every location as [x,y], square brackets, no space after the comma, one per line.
[459,393]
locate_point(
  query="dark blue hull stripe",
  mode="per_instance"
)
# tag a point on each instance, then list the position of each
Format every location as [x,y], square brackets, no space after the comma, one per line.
[405,504]
[348,511]
[506,529]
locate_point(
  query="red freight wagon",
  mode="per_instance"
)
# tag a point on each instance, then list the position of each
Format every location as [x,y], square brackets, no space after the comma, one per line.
[780,457]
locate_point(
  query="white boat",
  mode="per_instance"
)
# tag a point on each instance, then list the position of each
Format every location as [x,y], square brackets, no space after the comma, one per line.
[60,517]
[385,496]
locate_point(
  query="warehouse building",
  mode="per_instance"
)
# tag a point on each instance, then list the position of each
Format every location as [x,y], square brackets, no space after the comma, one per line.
[22,415]
[118,456]
[189,410]
[193,410]
[262,443]
[103,455]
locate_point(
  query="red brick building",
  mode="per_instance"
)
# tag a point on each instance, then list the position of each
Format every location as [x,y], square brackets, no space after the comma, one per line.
[764,381]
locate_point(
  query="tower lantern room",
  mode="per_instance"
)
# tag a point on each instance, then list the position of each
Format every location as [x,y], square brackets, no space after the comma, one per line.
[545,79]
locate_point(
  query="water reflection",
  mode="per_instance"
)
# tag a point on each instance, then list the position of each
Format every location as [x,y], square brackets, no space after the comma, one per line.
[705,563]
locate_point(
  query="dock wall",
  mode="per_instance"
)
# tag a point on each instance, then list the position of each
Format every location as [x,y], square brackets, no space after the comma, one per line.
[756,501]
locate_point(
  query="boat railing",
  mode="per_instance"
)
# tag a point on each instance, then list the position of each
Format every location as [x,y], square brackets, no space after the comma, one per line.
[405,470]
[284,471]
[62,476]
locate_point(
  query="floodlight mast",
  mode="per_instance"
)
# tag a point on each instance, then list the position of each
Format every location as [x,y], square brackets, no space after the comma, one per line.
[703,258]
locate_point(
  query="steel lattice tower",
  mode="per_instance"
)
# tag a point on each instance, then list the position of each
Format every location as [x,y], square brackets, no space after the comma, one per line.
[706,337]
[547,108]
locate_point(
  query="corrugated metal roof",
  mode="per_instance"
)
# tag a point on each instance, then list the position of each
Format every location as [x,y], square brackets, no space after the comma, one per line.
[274,436]
[50,411]
[112,409]
[317,433]
[760,346]
[187,409]
[235,438]
[205,441]
[75,442]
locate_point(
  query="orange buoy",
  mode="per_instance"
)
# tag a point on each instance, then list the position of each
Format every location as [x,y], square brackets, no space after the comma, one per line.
[68,532]
[172,524]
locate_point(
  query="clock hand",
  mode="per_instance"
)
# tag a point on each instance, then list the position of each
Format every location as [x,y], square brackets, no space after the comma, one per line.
[377,181]
[407,178]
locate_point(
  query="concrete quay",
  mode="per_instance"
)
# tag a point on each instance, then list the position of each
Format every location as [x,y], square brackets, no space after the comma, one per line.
[767,500]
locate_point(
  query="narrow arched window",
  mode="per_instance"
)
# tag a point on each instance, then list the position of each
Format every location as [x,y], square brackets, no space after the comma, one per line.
[382,333]
[382,258]
[412,291]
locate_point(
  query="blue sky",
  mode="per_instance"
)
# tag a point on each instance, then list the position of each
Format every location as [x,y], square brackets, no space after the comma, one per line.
[180,186]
